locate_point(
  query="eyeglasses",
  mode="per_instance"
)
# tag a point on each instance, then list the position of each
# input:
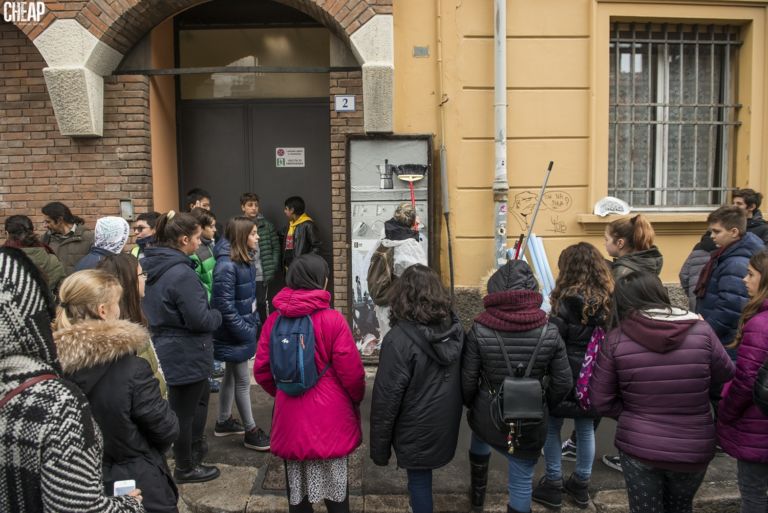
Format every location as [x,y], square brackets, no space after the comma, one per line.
[140,228]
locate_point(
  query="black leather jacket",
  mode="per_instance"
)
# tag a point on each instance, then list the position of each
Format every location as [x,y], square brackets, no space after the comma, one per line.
[306,239]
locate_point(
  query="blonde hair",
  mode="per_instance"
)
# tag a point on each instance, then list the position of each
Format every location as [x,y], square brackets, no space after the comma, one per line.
[81,294]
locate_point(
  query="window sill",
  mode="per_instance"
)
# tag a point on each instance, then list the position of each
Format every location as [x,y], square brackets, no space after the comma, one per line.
[666,223]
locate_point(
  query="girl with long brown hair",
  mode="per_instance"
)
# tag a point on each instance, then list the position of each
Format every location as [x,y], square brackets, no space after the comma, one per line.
[581,303]
[234,295]
[742,428]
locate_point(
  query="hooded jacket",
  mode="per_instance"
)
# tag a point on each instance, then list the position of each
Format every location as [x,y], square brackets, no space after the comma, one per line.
[654,374]
[324,422]
[648,260]
[70,247]
[757,225]
[576,336]
[483,363]
[51,448]
[179,316]
[205,260]
[742,428]
[416,405]
[137,423]
[726,293]
[693,265]
[234,295]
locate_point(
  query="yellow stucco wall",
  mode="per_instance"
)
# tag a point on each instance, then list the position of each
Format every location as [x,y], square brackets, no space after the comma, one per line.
[557,110]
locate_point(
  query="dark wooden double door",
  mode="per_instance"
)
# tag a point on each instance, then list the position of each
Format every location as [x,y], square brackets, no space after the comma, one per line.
[228,147]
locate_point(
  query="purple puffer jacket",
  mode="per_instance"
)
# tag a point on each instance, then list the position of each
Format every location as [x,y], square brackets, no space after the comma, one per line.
[741,427]
[654,374]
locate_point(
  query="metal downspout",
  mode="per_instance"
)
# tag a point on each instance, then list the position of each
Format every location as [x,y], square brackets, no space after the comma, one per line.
[443,150]
[500,184]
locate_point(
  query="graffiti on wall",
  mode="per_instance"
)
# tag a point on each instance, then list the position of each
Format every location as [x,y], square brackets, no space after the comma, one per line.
[554,203]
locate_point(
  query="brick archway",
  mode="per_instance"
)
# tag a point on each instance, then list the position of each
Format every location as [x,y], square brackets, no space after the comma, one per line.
[84,41]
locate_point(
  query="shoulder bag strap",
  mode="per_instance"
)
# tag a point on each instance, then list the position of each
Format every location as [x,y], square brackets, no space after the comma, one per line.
[28,383]
[504,352]
[536,351]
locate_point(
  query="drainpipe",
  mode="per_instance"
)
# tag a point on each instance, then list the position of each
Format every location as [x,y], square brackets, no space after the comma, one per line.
[500,184]
[443,150]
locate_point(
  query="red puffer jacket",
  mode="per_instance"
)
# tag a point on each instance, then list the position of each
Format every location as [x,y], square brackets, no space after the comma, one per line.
[323,423]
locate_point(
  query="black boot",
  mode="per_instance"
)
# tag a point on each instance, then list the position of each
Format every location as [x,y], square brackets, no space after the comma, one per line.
[578,489]
[196,474]
[478,466]
[549,493]
[199,450]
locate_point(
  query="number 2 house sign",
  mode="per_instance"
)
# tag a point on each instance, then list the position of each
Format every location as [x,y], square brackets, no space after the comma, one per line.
[289,157]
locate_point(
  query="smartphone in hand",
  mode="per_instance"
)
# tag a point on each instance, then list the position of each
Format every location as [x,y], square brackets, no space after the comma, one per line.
[124,487]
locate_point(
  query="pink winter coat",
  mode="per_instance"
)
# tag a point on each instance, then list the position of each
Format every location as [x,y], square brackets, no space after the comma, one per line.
[742,429]
[323,423]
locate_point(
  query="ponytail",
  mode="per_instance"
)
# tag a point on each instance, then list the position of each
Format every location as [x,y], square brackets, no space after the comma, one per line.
[170,227]
[636,231]
[81,294]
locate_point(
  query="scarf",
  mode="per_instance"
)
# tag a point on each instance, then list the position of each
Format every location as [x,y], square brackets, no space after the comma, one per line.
[701,286]
[513,310]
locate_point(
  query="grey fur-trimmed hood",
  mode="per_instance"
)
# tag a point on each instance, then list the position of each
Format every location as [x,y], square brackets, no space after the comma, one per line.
[91,343]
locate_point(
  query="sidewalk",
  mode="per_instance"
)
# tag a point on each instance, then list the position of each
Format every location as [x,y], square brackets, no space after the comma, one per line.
[253,482]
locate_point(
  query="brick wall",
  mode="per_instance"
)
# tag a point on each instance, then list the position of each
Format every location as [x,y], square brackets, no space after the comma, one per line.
[342,125]
[38,164]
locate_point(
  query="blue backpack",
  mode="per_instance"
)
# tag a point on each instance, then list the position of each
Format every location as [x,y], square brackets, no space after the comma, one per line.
[292,355]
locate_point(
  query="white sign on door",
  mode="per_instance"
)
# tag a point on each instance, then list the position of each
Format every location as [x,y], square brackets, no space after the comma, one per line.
[289,157]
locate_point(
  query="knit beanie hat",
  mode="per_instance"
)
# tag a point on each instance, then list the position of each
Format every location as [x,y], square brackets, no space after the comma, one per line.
[514,275]
[111,234]
[26,309]
[405,214]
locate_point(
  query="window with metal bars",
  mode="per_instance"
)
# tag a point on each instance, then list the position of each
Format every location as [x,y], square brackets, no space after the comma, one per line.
[672,114]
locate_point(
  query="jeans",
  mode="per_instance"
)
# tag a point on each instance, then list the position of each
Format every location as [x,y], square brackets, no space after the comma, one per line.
[585,449]
[519,475]
[236,385]
[420,490]
[190,404]
[655,490]
[753,485]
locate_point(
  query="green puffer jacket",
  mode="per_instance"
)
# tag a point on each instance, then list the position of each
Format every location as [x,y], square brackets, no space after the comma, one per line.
[269,247]
[205,261]
[49,265]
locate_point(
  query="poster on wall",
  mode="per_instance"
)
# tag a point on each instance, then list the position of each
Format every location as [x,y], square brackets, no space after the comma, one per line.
[383,174]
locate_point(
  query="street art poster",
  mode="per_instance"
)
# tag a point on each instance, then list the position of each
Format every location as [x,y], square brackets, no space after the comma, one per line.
[379,174]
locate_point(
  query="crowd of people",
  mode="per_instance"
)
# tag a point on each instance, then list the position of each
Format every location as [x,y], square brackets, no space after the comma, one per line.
[107,358]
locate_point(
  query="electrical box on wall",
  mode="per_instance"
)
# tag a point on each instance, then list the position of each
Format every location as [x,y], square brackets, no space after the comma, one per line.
[383,173]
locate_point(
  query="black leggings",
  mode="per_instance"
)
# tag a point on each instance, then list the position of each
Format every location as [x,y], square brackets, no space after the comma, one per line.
[190,404]
[655,490]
